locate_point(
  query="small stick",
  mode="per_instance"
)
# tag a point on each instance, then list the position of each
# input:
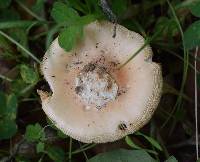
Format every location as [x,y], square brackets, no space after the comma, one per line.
[111,16]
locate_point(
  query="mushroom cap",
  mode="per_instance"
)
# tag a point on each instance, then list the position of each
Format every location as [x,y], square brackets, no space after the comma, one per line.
[139,82]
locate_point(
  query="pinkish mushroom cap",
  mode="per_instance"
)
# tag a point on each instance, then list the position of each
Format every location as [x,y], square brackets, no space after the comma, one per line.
[93,100]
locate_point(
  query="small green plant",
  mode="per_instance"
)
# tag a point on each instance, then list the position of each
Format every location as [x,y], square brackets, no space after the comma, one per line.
[126,155]
[71,24]
[35,133]
[192,34]
[8,113]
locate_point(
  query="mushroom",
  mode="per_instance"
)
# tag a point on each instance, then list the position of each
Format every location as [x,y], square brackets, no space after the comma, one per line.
[94,100]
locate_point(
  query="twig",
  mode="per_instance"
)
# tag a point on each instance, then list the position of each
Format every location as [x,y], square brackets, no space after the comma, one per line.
[5,78]
[111,16]
[196,113]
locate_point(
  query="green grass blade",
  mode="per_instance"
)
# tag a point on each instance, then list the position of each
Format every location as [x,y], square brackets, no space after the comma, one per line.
[16,24]
[20,46]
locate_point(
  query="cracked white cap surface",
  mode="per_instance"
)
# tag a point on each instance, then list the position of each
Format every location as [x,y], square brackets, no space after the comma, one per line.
[139,84]
[95,86]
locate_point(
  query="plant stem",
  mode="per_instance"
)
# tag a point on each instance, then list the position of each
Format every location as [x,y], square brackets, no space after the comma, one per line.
[70,149]
[185,65]
[20,46]
[138,51]
[196,100]
[5,78]
[84,153]
[81,150]
[147,42]
[29,11]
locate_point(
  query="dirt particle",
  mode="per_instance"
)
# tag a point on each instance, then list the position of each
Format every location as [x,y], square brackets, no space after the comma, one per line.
[67,83]
[122,126]
[78,62]
[114,64]
[78,89]
[121,91]
[97,45]
[89,67]
[101,71]
[109,84]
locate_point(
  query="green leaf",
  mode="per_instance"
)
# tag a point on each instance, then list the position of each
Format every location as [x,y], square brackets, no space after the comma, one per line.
[94,7]
[51,123]
[21,159]
[5,45]
[131,143]
[64,14]
[28,74]
[38,7]
[78,5]
[11,108]
[9,15]
[20,36]
[8,128]
[8,106]
[150,140]
[61,134]
[50,34]
[40,147]
[56,153]
[171,159]
[84,20]
[168,26]
[195,8]
[192,35]
[2,103]
[16,24]
[17,86]
[68,38]
[34,132]
[119,6]
[4,3]
[122,155]
[133,25]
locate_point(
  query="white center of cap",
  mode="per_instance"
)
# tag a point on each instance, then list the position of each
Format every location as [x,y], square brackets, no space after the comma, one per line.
[95,86]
